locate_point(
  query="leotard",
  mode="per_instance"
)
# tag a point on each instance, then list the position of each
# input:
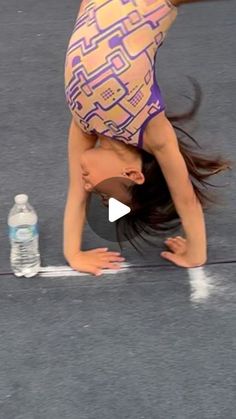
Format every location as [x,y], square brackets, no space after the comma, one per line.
[110,83]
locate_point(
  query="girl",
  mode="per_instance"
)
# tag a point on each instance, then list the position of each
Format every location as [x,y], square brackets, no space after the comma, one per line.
[115,100]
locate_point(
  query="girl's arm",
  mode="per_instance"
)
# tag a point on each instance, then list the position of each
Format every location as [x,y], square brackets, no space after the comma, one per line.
[74,216]
[74,220]
[163,144]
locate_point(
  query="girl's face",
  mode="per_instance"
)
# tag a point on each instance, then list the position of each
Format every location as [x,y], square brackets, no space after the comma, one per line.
[104,172]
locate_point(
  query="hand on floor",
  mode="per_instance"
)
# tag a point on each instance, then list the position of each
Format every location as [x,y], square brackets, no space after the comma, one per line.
[93,261]
[182,254]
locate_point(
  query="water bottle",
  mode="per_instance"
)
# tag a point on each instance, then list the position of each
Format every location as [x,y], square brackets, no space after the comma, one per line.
[24,238]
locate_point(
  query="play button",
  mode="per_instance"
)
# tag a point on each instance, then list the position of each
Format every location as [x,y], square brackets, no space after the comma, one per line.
[117,210]
[109,212]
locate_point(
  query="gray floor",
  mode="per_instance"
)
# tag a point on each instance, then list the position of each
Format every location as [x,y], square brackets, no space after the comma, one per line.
[154,341]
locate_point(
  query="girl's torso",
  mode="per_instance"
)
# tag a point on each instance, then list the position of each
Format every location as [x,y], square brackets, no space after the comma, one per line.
[110,80]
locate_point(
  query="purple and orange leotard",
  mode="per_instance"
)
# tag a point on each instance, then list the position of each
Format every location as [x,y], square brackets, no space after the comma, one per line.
[110,82]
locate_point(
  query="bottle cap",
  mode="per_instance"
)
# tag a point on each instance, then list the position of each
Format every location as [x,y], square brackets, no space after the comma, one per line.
[21,199]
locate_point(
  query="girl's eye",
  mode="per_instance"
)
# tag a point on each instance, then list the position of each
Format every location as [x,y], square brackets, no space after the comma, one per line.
[105,198]
[105,202]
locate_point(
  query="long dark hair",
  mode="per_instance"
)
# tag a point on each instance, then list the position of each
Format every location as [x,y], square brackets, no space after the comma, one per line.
[152,206]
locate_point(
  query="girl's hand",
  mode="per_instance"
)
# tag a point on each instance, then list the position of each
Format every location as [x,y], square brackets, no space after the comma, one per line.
[182,254]
[93,261]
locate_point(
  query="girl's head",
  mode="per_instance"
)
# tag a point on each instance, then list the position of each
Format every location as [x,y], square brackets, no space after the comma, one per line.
[111,168]
[152,207]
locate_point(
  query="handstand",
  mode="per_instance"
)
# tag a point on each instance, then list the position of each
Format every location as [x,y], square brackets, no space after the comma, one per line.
[115,100]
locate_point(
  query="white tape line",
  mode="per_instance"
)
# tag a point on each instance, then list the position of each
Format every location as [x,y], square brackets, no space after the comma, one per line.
[56,271]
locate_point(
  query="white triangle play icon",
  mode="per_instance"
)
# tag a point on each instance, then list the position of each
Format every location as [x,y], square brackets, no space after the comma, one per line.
[116,209]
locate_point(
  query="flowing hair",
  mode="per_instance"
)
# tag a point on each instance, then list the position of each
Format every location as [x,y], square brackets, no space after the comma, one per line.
[152,207]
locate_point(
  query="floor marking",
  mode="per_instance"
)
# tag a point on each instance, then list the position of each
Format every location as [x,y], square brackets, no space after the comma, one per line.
[57,271]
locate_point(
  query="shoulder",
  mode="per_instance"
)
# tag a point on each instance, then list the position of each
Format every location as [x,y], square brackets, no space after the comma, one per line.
[176,3]
[153,136]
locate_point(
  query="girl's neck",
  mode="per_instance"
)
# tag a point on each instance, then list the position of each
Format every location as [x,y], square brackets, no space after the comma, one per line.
[125,151]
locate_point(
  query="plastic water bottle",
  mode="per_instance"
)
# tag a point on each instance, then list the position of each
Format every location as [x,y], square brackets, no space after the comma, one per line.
[24,238]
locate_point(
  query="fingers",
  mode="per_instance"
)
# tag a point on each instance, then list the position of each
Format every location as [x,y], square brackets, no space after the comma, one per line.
[99,250]
[176,244]
[112,259]
[110,266]
[101,258]
[104,250]
[97,271]
[105,256]
[181,238]
[176,239]
[110,262]
[106,260]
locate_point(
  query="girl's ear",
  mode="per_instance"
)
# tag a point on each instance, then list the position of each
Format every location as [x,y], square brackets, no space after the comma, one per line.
[134,175]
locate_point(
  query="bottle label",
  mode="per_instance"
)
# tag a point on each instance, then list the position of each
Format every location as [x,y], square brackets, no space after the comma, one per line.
[23,233]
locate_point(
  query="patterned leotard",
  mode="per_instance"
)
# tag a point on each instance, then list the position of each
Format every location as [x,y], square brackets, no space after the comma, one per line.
[110,82]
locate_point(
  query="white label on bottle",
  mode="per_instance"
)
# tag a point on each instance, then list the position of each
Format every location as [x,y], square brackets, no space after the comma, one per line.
[23,233]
